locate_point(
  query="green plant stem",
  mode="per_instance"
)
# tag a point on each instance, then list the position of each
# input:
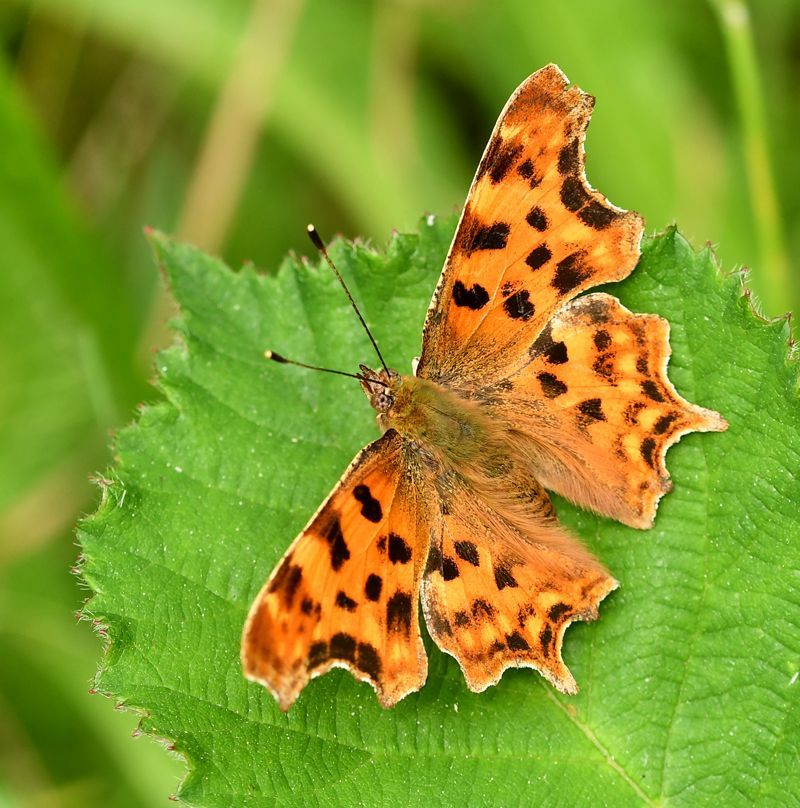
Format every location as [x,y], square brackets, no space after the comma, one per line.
[237,122]
[231,139]
[734,19]
[394,43]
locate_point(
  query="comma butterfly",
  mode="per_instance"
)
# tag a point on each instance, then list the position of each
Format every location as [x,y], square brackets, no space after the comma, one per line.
[522,386]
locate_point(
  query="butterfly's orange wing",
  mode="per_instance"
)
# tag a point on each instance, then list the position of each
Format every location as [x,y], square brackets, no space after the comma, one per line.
[503,582]
[346,593]
[533,235]
[583,378]
[597,410]
[578,397]
[579,386]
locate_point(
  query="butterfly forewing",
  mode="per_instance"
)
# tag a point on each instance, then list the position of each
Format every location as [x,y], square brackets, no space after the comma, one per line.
[346,593]
[533,235]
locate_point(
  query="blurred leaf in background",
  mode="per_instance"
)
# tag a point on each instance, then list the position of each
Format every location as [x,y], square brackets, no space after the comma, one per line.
[233,124]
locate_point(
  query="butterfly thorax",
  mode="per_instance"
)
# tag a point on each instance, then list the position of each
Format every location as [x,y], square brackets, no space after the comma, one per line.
[437,419]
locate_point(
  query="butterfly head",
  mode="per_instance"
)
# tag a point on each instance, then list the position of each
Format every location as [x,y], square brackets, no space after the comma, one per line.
[380,387]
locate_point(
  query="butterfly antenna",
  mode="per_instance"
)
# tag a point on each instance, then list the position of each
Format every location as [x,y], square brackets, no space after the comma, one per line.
[317,242]
[276,357]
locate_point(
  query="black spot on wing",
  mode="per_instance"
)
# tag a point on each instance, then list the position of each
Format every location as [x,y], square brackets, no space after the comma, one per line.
[664,423]
[317,654]
[592,409]
[474,298]
[370,507]
[486,237]
[343,646]
[369,661]
[603,366]
[519,306]
[647,449]
[632,412]
[652,391]
[527,170]
[524,613]
[449,569]
[602,339]
[554,353]
[286,581]
[569,158]
[373,586]
[546,639]
[552,386]
[292,582]
[558,610]
[537,219]
[399,551]
[461,619]
[483,607]
[638,328]
[538,256]
[332,534]
[597,216]
[516,642]
[573,195]
[499,159]
[398,613]
[434,561]
[570,273]
[344,602]
[467,551]
[503,577]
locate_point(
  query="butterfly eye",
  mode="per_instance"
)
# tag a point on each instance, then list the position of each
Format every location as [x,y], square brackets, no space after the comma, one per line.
[383,401]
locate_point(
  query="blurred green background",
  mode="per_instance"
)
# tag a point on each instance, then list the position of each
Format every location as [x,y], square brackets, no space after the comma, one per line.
[233,124]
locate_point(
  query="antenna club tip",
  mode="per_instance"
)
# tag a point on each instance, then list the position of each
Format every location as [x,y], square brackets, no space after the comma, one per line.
[315,239]
[275,357]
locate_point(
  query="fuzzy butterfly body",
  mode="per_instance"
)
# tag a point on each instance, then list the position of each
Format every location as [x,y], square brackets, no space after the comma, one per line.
[521,386]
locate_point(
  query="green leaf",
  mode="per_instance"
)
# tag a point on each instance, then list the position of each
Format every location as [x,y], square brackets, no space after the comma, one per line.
[64,368]
[689,679]
[67,337]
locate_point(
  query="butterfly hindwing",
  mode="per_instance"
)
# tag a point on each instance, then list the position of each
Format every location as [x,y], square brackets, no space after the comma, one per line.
[533,235]
[346,593]
[503,583]
[599,410]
